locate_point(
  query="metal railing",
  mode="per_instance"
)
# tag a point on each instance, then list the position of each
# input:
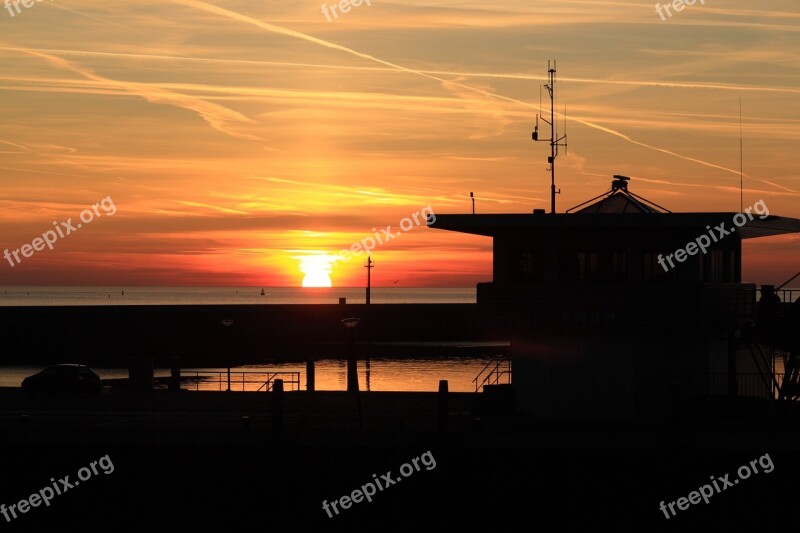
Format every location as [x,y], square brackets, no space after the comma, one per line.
[493,372]
[252,381]
[786,295]
[750,384]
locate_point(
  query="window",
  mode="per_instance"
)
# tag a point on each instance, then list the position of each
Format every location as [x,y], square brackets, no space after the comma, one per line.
[619,266]
[593,266]
[588,266]
[526,266]
[719,266]
[579,266]
[568,266]
[654,270]
[714,266]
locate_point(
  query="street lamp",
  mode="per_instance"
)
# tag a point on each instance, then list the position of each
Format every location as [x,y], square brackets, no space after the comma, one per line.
[352,368]
[228,323]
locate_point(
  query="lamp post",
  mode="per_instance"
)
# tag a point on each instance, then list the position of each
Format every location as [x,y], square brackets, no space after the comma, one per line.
[228,323]
[352,362]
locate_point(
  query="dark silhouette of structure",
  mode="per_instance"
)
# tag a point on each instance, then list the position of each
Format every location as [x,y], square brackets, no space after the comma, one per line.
[615,310]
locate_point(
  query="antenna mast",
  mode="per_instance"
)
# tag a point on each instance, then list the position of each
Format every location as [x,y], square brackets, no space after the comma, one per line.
[741,160]
[555,140]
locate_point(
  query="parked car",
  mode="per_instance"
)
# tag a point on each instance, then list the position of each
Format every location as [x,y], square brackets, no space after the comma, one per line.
[70,379]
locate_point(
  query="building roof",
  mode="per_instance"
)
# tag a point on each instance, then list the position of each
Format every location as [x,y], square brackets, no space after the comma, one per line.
[619,202]
[616,208]
[495,224]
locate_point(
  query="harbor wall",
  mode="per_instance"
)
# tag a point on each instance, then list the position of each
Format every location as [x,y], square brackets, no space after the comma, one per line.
[110,335]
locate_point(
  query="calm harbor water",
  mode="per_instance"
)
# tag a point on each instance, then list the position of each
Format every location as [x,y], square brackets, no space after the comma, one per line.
[420,375]
[39,296]
[382,375]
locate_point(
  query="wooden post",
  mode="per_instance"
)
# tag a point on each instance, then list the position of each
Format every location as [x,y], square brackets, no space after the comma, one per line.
[310,377]
[352,364]
[444,408]
[277,404]
[175,374]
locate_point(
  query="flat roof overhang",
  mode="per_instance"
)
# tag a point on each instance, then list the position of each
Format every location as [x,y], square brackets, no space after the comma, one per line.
[491,225]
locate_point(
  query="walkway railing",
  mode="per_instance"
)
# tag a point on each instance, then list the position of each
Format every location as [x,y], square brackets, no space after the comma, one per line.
[786,295]
[716,384]
[252,381]
[493,373]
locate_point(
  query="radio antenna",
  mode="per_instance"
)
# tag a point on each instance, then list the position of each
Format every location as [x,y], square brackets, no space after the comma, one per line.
[555,140]
[741,160]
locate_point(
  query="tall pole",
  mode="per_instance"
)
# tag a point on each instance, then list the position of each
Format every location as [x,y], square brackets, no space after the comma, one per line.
[552,90]
[741,160]
[369,266]
[555,140]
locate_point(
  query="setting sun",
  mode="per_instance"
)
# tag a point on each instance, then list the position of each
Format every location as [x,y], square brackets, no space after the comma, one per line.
[316,270]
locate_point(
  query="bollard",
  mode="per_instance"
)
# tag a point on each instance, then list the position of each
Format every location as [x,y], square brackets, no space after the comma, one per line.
[444,408]
[352,364]
[175,374]
[310,377]
[140,373]
[352,375]
[277,404]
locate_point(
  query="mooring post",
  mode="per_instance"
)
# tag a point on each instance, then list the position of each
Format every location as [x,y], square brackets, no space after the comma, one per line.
[277,404]
[175,374]
[310,377]
[444,408]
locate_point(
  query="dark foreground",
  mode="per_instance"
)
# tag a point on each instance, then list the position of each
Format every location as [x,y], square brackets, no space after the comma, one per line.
[191,462]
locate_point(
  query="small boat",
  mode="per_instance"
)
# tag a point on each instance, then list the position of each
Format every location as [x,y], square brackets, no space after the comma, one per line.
[263,293]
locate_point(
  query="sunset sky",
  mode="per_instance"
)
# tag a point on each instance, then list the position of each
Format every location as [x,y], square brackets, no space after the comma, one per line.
[244,142]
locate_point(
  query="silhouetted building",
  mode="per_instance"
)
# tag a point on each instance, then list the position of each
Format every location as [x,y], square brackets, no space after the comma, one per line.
[607,318]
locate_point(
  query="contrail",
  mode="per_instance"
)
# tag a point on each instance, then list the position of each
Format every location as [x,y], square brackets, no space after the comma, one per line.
[215,115]
[703,85]
[96,19]
[14,144]
[43,172]
[203,6]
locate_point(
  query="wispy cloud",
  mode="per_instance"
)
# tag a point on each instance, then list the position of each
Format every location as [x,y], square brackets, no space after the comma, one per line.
[217,116]
[299,35]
